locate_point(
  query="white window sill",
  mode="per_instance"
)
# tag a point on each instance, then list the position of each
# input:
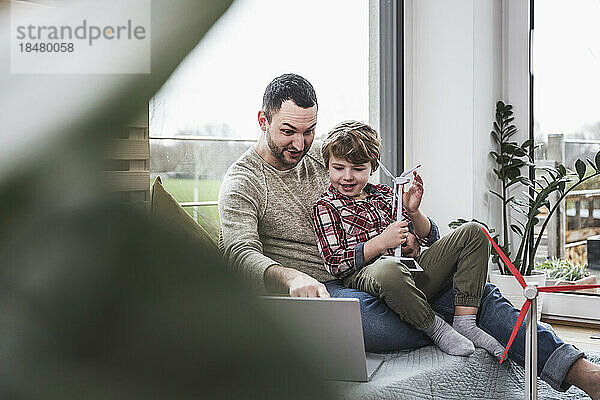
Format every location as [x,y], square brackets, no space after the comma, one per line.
[569,307]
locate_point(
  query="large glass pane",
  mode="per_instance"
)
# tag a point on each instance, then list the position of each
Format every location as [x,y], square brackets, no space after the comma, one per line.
[207,217]
[217,90]
[192,170]
[566,62]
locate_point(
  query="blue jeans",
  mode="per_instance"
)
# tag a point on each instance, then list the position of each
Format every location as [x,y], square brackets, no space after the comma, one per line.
[385,331]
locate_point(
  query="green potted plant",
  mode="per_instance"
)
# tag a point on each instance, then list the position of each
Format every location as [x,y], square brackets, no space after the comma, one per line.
[509,159]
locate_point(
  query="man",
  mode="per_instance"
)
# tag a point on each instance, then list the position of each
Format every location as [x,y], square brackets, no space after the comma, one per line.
[265,209]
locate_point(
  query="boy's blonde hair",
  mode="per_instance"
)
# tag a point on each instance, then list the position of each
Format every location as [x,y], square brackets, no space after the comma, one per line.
[353,141]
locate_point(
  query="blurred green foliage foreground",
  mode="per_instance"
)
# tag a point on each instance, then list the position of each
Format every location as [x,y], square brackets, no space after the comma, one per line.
[97,301]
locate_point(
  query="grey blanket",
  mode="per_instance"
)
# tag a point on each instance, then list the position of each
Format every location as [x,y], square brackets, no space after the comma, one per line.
[428,373]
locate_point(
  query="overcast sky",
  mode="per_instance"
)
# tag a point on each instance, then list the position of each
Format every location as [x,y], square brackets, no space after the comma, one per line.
[566,64]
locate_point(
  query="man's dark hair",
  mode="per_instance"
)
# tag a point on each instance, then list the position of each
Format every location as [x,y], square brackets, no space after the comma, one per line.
[288,87]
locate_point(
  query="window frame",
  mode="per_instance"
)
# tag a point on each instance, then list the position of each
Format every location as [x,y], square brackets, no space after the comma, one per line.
[391,77]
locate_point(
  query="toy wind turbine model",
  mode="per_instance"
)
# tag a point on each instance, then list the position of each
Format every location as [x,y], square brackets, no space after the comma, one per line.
[399,182]
[529,308]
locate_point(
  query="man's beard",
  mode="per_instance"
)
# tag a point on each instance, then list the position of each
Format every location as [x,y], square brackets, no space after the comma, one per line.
[278,152]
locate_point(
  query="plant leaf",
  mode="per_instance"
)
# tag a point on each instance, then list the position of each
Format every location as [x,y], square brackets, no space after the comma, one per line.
[497,194]
[520,223]
[521,202]
[591,164]
[562,170]
[580,167]
[547,181]
[527,143]
[503,159]
[510,131]
[525,181]
[517,229]
[597,160]
[516,163]
[456,223]
[514,182]
[528,196]
[519,210]
[513,173]
[497,128]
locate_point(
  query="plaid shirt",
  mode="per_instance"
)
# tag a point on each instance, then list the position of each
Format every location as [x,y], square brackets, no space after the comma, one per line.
[343,225]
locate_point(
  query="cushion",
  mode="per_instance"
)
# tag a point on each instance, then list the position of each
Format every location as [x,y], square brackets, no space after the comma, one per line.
[165,207]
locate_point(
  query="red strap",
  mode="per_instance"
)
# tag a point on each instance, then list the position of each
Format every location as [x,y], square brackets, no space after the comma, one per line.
[516,328]
[565,288]
[506,260]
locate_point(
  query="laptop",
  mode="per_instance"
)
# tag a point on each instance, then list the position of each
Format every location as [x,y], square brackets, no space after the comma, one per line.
[330,327]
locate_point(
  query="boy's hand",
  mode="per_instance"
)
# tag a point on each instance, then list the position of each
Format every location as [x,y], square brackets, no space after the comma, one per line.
[412,197]
[411,248]
[394,235]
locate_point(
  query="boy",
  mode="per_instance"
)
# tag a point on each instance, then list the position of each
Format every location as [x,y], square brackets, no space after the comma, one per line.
[355,224]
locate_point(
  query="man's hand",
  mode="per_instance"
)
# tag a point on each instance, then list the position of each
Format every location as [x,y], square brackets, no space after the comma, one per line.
[306,286]
[411,248]
[293,282]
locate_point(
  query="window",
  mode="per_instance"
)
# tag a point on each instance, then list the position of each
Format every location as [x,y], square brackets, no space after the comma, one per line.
[566,60]
[205,115]
[566,122]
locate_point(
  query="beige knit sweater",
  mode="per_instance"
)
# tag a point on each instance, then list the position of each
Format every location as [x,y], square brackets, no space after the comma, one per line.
[266,215]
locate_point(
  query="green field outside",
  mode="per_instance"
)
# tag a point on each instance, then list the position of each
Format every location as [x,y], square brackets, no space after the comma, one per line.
[183,189]
[208,190]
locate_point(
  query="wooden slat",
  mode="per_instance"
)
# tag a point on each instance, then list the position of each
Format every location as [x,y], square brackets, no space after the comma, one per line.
[125,149]
[141,119]
[138,132]
[138,165]
[132,150]
[121,181]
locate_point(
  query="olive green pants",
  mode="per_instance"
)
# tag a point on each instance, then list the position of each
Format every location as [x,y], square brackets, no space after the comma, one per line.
[460,256]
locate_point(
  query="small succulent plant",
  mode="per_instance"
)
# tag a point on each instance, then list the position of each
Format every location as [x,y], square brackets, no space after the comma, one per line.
[562,269]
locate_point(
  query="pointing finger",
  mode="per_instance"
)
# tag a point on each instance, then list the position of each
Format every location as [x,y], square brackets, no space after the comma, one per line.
[322,292]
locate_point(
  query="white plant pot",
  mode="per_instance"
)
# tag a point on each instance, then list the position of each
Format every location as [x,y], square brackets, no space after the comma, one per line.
[512,290]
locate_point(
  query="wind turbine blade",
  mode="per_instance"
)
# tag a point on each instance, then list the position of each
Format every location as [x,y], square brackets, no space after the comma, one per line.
[516,328]
[406,173]
[565,288]
[509,264]
[386,171]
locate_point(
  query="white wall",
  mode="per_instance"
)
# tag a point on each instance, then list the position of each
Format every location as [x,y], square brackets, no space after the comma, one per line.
[453,59]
